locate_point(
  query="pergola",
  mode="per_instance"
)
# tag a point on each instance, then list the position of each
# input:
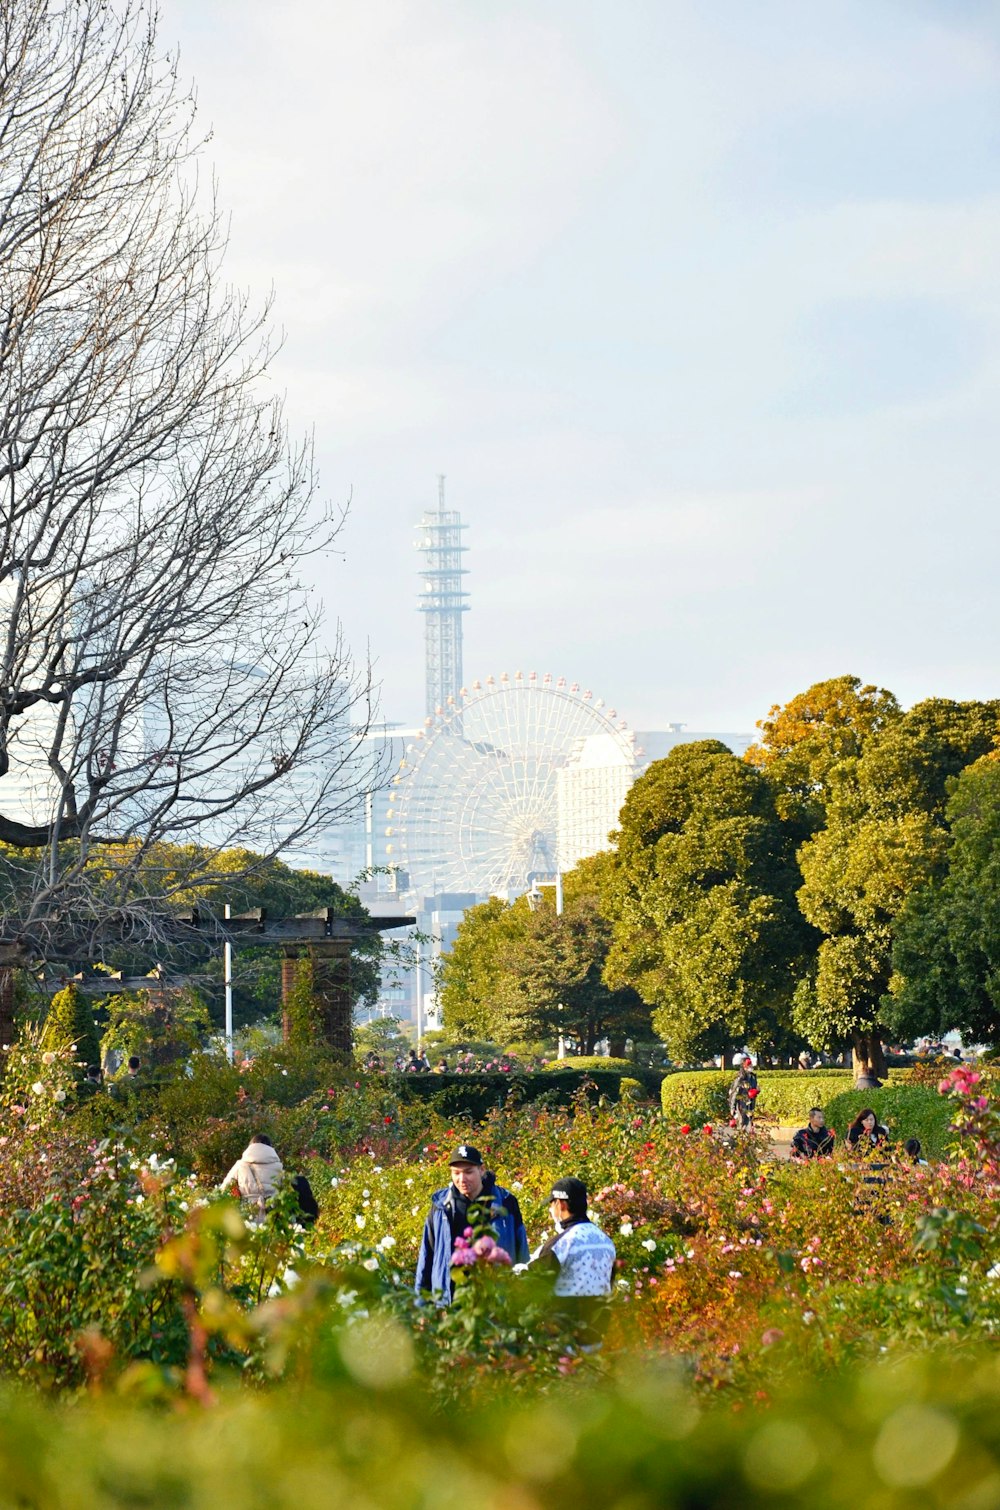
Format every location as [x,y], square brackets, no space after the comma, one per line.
[323,937]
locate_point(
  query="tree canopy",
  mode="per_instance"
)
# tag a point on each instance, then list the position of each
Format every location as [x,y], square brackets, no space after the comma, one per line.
[946,954]
[701,897]
[514,974]
[886,837]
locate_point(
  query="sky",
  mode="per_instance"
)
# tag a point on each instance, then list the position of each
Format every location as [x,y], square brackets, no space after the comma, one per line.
[696,307]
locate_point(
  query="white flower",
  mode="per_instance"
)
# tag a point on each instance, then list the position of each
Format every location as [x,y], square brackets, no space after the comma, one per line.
[334,1183]
[284,1072]
[371,1264]
[625,1229]
[366,1192]
[649,1244]
[59,1095]
[183,1205]
[48,1058]
[377,1169]
[289,1278]
[414,1210]
[387,1242]
[623,1284]
[360,1221]
[410,1181]
[516,1185]
[38,1088]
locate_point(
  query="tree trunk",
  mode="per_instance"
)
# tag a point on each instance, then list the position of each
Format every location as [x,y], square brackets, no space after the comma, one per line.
[869,1057]
[616,1047]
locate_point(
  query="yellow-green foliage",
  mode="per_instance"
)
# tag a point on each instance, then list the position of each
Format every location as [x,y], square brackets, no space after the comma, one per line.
[925,1433]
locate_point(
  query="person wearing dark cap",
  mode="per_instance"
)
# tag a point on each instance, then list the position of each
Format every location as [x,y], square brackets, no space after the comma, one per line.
[472,1185]
[581,1258]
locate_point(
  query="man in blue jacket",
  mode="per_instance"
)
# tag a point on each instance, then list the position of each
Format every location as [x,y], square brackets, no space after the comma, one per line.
[448,1219]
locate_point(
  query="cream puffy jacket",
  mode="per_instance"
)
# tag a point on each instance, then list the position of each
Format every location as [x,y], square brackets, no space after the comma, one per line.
[257,1172]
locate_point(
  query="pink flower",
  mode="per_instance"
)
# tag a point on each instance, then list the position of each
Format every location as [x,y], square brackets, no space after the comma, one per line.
[483,1246]
[771,1336]
[498,1255]
[462,1259]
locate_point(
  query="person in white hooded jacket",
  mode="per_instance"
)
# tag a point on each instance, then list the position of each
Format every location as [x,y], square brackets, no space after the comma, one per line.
[257,1172]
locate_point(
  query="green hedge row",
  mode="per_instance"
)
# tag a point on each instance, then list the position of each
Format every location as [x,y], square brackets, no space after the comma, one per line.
[475,1096]
[703,1095]
[908,1111]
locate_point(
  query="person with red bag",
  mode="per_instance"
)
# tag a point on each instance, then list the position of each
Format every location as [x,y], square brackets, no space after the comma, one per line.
[743,1095]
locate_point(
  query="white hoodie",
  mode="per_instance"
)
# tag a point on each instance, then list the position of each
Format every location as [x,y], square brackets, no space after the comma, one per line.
[257,1172]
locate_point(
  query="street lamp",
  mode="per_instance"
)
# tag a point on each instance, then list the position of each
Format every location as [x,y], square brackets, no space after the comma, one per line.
[534,896]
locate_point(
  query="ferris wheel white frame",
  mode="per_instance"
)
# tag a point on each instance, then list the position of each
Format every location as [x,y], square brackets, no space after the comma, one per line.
[473,805]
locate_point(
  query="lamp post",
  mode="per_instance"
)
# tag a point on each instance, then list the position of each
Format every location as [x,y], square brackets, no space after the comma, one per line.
[534,895]
[227,975]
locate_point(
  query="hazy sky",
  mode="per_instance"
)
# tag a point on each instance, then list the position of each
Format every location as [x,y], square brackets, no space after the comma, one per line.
[696,305]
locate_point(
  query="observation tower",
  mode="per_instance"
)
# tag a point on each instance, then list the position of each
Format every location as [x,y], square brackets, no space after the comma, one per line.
[442,601]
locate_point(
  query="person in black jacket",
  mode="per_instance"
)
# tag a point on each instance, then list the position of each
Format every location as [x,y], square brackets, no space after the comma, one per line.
[743,1094]
[866,1133]
[815,1140]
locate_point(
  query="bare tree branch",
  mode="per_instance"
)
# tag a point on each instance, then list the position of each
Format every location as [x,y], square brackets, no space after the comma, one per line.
[160,666]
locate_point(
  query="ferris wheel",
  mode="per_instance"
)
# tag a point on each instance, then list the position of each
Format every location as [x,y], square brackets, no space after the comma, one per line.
[514,779]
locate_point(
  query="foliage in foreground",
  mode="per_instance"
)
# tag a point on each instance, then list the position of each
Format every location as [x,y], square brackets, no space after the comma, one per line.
[924,1435]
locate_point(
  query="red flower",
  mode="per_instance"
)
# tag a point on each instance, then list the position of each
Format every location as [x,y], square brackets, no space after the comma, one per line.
[564,1148]
[387,1120]
[685,1129]
[707,1128]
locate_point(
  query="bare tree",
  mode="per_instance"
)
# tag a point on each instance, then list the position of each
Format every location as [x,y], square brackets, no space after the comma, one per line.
[160,671]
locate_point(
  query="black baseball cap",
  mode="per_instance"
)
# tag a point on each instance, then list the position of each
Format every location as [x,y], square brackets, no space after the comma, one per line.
[466,1154]
[573,1192]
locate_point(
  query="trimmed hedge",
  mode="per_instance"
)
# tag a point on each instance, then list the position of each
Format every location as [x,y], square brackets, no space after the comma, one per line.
[589,1062]
[703,1095]
[475,1096]
[908,1111]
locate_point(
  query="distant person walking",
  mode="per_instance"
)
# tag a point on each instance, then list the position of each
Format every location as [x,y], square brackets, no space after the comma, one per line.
[743,1095]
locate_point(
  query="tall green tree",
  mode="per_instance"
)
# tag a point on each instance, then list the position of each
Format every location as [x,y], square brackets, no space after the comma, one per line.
[803,742]
[514,974]
[701,897]
[946,954]
[885,837]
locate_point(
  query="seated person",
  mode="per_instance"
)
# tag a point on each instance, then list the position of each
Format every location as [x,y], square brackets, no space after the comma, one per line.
[913,1151]
[866,1133]
[815,1140]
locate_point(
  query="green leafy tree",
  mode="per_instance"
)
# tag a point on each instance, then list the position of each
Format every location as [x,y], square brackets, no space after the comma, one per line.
[802,743]
[515,975]
[885,837]
[946,954]
[701,897]
[479,996]
[71,1020]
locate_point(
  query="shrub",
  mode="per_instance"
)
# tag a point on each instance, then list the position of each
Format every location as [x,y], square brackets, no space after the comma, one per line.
[589,1062]
[703,1095]
[71,1023]
[909,1111]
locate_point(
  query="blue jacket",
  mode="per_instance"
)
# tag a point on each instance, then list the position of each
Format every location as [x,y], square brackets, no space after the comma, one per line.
[434,1263]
